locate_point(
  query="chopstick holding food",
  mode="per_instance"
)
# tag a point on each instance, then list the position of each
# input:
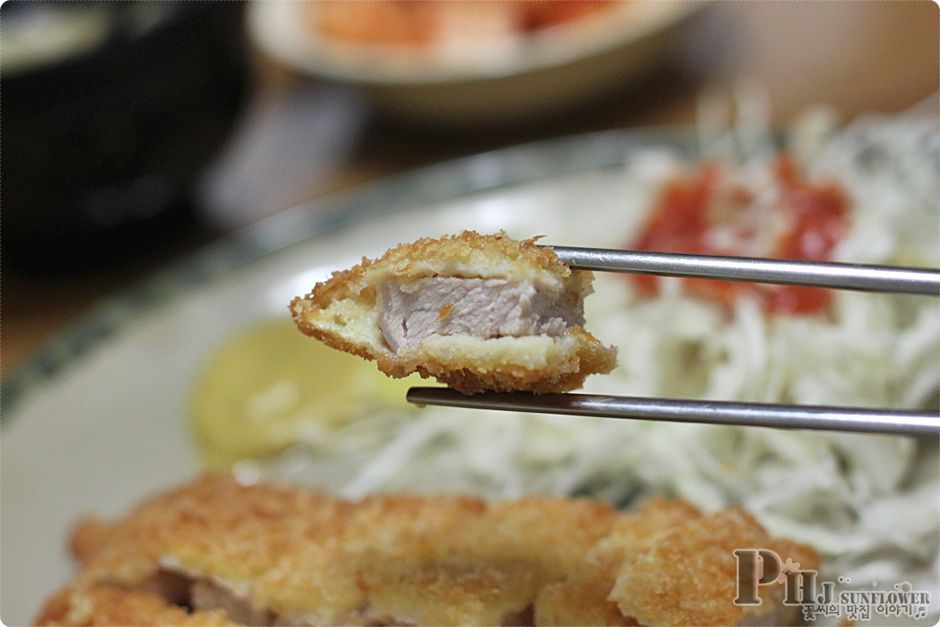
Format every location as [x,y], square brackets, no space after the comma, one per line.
[490,314]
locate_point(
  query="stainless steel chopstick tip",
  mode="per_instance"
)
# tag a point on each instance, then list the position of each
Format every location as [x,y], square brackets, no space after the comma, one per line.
[834,275]
[851,419]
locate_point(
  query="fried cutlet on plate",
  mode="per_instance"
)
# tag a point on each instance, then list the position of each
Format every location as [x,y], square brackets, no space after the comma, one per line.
[477,312]
[215,552]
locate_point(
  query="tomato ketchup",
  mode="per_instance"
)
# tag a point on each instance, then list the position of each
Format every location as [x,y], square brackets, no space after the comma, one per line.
[693,208]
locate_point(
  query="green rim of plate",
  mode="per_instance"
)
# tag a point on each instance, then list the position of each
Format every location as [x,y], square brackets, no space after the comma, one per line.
[448,180]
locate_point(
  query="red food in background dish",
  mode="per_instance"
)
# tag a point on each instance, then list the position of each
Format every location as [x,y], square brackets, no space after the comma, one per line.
[389,22]
[691,209]
[418,23]
[545,13]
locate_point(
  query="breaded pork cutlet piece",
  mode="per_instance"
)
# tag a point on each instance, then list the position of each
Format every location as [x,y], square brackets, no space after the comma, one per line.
[479,313]
[266,554]
[216,552]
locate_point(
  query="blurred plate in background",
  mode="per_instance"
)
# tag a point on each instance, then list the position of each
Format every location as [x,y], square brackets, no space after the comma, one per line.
[495,80]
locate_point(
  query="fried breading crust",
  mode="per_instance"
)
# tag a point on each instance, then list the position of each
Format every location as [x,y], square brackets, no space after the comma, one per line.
[697,554]
[342,312]
[299,557]
[582,597]
[112,605]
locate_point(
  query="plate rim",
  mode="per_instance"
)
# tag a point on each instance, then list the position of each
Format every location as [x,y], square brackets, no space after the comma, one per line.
[450,179]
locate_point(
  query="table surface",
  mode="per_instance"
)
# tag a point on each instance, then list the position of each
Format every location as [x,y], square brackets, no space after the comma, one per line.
[857,56]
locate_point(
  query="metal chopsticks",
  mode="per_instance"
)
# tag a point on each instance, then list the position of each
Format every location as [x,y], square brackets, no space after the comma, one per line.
[863,420]
[846,276]
[898,280]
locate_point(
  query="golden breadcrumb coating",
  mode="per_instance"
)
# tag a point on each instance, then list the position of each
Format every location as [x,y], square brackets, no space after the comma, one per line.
[582,596]
[696,554]
[263,554]
[112,605]
[343,312]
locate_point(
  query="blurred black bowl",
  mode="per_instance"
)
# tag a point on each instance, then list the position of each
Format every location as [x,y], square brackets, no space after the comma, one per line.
[110,111]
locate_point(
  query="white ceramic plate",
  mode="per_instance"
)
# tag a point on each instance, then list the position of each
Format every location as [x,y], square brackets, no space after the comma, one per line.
[96,420]
[551,71]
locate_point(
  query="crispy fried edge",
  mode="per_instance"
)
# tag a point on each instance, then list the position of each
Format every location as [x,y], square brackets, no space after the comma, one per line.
[402,259]
[582,597]
[697,554]
[113,605]
[559,376]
